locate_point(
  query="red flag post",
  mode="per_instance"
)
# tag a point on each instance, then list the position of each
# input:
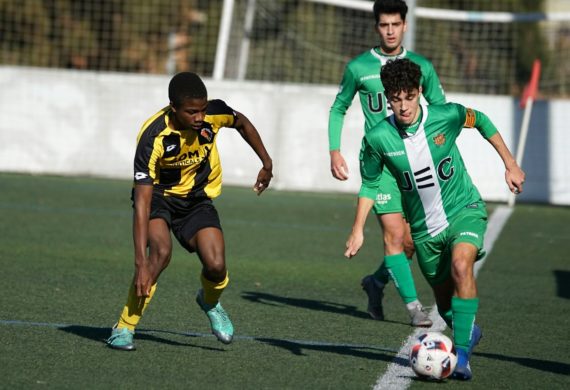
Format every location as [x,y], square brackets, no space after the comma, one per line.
[527,100]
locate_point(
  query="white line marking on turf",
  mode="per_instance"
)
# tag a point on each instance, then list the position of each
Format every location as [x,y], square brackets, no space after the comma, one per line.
[308,343]
[399,374]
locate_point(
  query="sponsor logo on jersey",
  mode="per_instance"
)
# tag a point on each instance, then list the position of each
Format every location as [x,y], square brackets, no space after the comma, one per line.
[140,175]
[439,139]
[170,148]
[395,154]
[369,77]
[471,234]
[189,158]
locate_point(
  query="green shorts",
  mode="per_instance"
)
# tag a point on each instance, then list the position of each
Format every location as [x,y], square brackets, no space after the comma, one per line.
[434,254]
[388,199]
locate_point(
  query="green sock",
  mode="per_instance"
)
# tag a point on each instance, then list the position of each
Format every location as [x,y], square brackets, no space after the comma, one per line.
[464,311]
[401,273]
[382,274]
[447,317]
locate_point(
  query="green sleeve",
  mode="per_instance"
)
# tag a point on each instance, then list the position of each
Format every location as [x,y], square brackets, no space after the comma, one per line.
[484,124]
[342,102]
[371,166]
[478,120]
[432,89]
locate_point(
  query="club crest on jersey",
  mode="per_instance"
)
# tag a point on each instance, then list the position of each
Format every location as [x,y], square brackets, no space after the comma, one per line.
[439,139]
[206,134]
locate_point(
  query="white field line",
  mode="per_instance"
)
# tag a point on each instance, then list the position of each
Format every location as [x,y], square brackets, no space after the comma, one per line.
[299,342]
[399,374]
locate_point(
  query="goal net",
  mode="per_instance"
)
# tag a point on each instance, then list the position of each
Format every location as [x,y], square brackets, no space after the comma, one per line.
[476,46]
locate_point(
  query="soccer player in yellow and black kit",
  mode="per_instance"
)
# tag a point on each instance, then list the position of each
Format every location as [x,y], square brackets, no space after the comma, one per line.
[177,173]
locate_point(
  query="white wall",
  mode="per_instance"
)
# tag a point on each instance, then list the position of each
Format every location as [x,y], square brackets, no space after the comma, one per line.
[85,123]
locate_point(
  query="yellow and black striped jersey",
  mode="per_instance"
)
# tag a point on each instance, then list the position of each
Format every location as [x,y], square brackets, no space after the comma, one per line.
[182,163]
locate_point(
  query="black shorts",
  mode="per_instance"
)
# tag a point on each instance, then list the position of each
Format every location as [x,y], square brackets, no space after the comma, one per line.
[185,217]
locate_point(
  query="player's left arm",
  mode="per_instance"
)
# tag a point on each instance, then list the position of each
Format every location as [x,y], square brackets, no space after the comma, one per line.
[514,175]
[250,134]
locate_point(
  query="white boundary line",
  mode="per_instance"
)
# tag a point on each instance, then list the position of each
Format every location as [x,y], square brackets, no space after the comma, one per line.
[301,343]
[399,374]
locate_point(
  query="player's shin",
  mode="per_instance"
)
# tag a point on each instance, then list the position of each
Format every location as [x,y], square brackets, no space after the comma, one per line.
[134,309]
[399,269]
[213,290]
[464,312]
[381,274]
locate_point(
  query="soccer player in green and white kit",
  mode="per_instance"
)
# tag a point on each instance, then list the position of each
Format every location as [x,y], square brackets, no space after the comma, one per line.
[362,75]
[445,210]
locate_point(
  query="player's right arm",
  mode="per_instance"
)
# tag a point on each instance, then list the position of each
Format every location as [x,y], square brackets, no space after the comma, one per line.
[371,167]
[148,152]
[142,200]
[514,175]
[342,102]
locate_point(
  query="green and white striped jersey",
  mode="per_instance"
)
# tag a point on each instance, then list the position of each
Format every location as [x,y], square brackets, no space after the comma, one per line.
[427,165]
[362,75]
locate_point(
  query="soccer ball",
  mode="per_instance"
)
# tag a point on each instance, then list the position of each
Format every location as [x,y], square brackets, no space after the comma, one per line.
[433,356]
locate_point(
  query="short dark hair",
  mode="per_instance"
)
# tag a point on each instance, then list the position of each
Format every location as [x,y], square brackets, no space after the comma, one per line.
[390,7]
[400,75]
[186,85]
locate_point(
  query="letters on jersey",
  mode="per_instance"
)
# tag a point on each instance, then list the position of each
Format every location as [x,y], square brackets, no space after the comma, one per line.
[426,164]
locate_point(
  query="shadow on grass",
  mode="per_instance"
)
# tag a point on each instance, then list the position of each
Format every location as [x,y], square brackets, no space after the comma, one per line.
[537,364]
[360,351]
[562,283]
[311,304]
[101,334]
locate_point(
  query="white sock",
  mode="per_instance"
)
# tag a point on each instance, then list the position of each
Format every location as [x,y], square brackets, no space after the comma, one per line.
[414,305]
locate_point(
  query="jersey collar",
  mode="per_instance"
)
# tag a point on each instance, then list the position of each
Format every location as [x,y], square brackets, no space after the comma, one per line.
[402,132]
[384,58]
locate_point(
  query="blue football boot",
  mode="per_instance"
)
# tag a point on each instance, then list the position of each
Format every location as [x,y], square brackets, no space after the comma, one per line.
[476,336]
[463,369]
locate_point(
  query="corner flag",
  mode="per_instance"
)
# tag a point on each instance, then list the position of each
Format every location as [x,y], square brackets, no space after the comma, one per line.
[529,94]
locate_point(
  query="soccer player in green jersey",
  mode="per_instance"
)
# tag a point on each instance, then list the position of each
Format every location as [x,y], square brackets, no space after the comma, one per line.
[177,174]
[445,210]
[362,76]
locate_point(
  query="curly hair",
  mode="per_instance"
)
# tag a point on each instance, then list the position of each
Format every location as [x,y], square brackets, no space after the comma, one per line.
[186,85]
[400,75]
[390,7]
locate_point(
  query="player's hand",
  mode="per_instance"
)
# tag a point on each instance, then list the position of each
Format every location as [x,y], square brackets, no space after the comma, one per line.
[339,169]
[143,279]
[263,179]
[353,244]
[515,176]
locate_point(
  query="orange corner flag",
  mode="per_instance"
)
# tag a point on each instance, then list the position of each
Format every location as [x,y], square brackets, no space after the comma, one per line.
[532,86]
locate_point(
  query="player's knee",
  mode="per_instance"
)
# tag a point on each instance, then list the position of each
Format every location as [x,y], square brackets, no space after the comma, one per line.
[394,240]
[215,274]
[160,256]
[461,269]
[215,268]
